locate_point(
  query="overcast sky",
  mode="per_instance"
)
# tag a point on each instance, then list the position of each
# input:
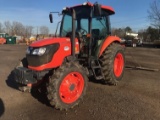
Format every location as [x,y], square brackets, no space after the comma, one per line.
[131,13]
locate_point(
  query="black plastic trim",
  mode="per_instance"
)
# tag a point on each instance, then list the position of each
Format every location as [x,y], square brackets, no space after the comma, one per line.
[35,60]
[26,76]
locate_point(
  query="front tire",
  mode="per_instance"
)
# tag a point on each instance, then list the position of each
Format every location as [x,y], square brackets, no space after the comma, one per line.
[67,86]
[113,63]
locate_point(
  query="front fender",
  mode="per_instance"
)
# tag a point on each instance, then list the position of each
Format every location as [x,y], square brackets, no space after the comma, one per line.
[107,42]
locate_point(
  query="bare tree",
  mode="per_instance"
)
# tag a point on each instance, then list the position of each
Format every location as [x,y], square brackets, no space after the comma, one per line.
[154,13]
[118,32]
[17,28]
[44,30]
[28,31]
[1,28]
[142,34]
[8,27]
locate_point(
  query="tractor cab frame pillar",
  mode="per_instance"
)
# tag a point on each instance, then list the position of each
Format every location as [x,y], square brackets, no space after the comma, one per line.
[73,34]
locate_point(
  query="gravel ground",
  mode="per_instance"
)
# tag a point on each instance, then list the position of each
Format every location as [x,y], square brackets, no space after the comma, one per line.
[136,97]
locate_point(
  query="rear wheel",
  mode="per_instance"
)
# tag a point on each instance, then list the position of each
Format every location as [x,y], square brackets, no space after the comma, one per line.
[67,86]
[113,62]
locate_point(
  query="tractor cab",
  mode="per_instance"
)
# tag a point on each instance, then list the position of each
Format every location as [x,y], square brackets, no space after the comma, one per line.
[91,24]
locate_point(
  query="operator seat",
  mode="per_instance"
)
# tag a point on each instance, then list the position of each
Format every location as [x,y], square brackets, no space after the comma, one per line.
[69,34]
[95,34]
[96,40]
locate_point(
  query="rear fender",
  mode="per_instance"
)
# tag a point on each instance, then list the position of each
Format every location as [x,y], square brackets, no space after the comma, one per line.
[107,42]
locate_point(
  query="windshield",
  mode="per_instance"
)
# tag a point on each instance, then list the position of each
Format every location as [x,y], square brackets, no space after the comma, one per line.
[83,16]
[67,25]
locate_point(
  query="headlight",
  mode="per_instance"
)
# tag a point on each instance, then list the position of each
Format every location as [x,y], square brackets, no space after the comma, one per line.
[36,51]
[39,51]
[41,55]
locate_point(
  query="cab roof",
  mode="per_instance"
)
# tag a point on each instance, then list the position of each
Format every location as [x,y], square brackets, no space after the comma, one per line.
[108,9]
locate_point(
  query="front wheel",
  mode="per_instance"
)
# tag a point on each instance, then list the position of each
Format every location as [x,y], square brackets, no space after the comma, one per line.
[113,63]
[67,86]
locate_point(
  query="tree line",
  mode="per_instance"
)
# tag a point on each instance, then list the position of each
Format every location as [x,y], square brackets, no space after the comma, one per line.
[17,28]
[147,35]
[153,32]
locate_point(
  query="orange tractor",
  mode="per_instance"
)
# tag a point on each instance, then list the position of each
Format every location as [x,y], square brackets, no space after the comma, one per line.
[83,49]
[3,38]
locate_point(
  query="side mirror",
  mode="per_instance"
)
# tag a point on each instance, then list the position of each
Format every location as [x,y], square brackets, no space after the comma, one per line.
[97,9]
[51,18]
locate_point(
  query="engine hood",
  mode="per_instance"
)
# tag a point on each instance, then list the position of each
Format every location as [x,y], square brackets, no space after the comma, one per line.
[49,41]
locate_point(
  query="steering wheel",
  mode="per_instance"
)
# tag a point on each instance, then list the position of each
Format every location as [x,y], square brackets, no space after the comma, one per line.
[83,31]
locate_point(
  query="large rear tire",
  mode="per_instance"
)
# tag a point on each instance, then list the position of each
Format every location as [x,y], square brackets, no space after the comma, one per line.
[67,86]
[113,63]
